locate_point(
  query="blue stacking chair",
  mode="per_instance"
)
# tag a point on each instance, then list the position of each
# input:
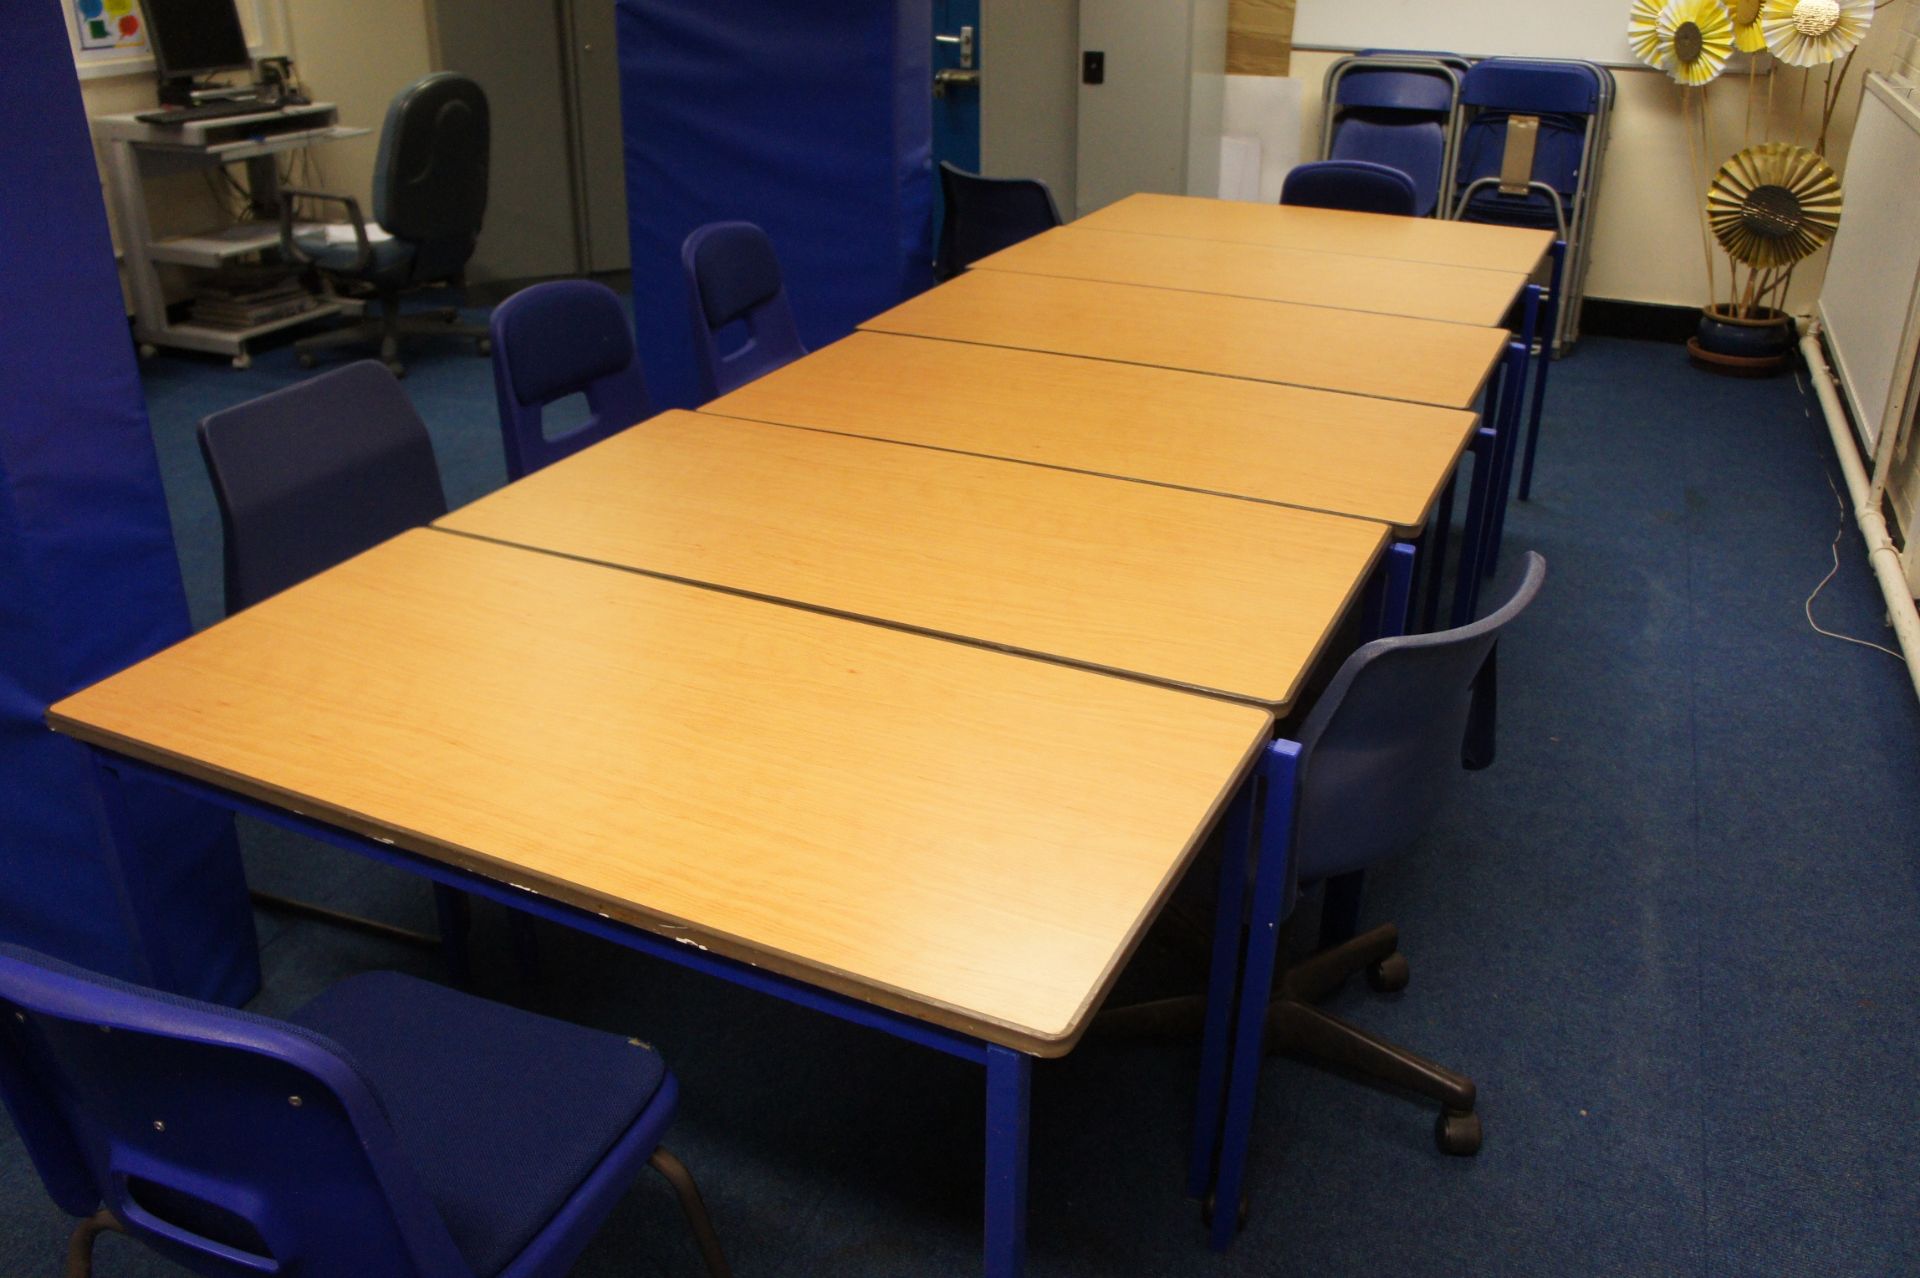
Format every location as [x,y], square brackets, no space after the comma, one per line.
[982,215]
[1369,771]
[734,289]
[1397,110]
[389,1127]
[567,337]
[1357,186]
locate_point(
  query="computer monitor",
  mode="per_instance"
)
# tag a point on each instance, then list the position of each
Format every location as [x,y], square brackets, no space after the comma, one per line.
[196,37]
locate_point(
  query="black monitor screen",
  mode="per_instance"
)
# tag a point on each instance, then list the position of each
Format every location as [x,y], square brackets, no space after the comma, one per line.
[193,37]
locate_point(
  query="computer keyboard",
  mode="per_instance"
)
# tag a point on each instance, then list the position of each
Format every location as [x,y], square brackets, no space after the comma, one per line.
[208,111]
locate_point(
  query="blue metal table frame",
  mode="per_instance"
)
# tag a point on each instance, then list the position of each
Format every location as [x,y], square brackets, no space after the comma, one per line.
[1008,1071]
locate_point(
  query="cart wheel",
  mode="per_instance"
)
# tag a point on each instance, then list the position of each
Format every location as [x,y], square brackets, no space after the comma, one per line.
[305,358]
[148,350]
[243,360]
[395,367]
[484,346]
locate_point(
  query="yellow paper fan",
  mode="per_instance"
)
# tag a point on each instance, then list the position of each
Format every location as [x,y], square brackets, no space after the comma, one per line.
[1644,35]
[1812,33]
[1696,37]
[1773,204]
[1747,36]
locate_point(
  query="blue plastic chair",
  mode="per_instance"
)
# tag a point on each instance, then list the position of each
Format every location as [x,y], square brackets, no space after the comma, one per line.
[389,1127]
[567,337]
[1371,767]
[1357,186]
[733,278]
[1565,99]
[983,215]
[1396,110]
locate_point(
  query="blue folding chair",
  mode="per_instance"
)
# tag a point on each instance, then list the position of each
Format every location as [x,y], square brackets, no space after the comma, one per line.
[1397,110]
[567,337]
[734,289]
[389,1127]
[1363,781]
[1358,186]
[982,215]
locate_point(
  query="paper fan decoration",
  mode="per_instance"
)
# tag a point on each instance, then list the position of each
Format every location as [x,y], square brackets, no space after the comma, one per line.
[1644,35]
[1773,204]
[1812,33]
[1697,38]
[1747,36]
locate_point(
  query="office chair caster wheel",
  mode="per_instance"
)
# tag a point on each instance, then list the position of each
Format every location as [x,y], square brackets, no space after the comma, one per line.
[1457,1132]
[148,350]
[395,367]
[305,358]
[1240,1217]
[1389,975]
[484,346]
[243,361]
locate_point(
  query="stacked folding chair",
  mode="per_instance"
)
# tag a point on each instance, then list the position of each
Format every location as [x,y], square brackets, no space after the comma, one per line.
[1400,110]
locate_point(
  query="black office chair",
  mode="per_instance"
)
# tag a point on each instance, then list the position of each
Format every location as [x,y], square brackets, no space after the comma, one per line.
[306,477]
[984,215]
[429,196]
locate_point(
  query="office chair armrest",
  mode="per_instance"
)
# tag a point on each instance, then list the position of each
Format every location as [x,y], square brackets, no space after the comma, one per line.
[294,253]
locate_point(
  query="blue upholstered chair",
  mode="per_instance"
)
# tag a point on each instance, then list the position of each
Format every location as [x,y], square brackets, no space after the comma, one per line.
[568,337]
[1396,110]
[429,199]
[389,1127]
[983,215]
[1378,751]
[738,303]
[1358,186]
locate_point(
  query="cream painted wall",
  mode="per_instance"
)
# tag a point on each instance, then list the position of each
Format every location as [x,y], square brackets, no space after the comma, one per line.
[1029,95]
[1646,244]
[357,53]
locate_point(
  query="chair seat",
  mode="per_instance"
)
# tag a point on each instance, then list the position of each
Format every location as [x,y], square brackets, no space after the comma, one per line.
[389,254]
[503,1113]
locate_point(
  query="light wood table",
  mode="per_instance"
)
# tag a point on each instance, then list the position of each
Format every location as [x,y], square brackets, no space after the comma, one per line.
[1406,239]
[1384,356]
[1229,597]
[955,845]
[1345,454]
[1426,290]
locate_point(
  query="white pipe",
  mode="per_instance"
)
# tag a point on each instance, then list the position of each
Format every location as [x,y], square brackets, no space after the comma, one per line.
[1866,510]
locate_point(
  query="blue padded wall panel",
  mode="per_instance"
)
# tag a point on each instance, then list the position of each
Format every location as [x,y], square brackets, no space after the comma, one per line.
[89,581]
[813,120]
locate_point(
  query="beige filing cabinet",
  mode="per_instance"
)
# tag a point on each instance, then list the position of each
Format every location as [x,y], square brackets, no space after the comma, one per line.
[1154,121]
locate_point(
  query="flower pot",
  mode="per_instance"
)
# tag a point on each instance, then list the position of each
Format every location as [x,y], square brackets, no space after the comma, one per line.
[1740,346]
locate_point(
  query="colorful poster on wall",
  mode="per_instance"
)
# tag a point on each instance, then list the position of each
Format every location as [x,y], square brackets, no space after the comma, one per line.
[109,24]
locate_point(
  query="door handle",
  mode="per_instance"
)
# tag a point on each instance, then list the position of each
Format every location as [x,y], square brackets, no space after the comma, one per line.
[953,77]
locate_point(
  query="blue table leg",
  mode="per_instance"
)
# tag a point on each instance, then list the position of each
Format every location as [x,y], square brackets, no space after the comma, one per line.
[1551,328]
[1466,584]
[1509,429]
[1435,552]
[1281,766]
[1229,914]
[1009,1091]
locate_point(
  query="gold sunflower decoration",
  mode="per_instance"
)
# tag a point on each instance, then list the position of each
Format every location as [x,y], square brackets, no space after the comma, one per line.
[1773,204]
[1747,36]
[1696,39]
[1643,33]
[1812,33]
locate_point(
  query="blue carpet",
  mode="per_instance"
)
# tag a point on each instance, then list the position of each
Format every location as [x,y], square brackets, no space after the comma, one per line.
[1671,933]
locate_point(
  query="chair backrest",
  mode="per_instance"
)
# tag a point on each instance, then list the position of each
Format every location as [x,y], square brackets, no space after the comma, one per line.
[430,177]
[733,278]
[1400,114]
[232,1144]
[316,473]
[1400,716]
[1357,186]
[1563,99]
[566,337]
[984,215]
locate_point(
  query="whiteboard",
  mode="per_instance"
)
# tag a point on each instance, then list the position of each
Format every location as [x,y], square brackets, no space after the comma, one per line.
[1592,30]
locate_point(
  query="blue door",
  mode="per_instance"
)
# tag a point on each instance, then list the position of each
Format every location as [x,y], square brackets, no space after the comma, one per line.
[956,83]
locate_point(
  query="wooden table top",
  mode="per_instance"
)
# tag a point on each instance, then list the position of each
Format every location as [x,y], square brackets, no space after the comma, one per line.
[1428,290]
[1346,454]
[1385,356]
[1229,597]
[1408,239]
[960,835]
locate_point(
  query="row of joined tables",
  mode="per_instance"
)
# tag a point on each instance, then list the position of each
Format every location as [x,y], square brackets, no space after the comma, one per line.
[907,681]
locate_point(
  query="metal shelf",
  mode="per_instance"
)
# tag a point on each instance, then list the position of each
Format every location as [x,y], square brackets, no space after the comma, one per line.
[211,249]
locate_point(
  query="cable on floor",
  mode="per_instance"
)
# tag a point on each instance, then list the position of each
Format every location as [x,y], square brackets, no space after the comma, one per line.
[1833,549]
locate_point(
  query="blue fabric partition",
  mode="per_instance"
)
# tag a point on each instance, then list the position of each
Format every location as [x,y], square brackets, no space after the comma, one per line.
[89,581]
[813,120]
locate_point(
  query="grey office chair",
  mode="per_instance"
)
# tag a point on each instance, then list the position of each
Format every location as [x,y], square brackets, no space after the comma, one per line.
[429,197]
